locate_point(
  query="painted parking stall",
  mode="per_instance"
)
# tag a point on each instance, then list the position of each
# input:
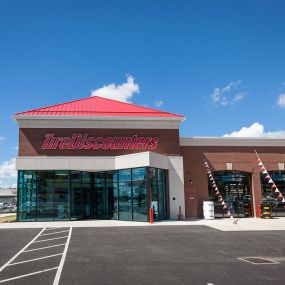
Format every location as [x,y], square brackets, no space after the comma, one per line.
[41,260]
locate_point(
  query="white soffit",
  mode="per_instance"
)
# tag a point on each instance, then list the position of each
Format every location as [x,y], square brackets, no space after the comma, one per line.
[254,142]
[98,122]
[98,163]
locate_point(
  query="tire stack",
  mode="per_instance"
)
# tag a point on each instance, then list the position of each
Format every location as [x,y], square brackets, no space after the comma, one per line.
[247,210]
[266,211]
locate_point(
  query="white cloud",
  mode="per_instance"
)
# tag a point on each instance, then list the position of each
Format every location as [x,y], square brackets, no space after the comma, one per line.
[8,169]
[256,130]
[232,85]
[281,100]
[8,174]
[229,94]
[158,103]
[123,92]
[238,97]
[2,138]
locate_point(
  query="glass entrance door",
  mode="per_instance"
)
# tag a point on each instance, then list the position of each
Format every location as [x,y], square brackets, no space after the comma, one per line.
[105,195]
[99,198]
[125,195]
[139,183]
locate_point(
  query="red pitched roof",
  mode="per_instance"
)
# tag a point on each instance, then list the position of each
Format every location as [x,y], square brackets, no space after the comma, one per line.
[97,106]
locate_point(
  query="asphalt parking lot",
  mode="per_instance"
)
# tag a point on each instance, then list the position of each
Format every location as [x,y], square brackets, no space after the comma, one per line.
[142,255]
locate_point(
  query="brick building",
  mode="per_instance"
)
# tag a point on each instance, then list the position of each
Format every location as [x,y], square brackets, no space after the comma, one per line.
[97,158]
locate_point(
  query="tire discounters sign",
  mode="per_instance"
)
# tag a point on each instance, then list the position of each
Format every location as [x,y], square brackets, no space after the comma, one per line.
[85,142]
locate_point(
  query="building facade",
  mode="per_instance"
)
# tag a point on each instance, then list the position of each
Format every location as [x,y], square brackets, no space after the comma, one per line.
[97,158]
[8,196]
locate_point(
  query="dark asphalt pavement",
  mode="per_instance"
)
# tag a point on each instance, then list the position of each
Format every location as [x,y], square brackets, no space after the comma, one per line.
[11,241]
[156,255]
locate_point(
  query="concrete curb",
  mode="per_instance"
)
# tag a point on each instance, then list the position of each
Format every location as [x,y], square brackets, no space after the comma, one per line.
[248,224]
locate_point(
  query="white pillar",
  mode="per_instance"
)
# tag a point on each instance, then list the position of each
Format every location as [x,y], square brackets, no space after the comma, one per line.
[176,186]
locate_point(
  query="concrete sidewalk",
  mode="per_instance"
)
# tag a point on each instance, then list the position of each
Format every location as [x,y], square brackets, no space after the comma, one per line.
[246,224]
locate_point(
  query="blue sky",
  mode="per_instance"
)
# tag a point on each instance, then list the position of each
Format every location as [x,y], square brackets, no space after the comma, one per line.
[219,63]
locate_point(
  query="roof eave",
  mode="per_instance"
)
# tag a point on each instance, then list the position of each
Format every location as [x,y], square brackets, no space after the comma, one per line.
[98,118]
[232,141]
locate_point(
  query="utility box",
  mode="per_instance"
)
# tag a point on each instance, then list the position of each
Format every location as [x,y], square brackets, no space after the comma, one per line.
[208,210]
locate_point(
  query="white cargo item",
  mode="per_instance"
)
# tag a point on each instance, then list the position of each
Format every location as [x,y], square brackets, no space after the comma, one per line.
[208,210]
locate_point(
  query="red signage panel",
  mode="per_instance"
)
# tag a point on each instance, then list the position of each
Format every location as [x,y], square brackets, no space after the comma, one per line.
[84,142]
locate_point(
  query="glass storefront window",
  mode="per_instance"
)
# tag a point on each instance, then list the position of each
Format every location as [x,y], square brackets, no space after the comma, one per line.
[105,195]
[61,205]
[86,177]
[153,187]
[86,201]
[99,177]
[235,188]
[45,176]
[76,202]
[99,195]
[162,194]
[63,195]
[61,176]
[162,210]
[45,201]
[27,193]
[115,198]
[75,176]
[269,195]
[157,188]
[45,195]
[112,195]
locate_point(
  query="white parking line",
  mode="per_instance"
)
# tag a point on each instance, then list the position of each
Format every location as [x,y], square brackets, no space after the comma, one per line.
[24,250]
[266,261]
[17,254]
[30,260]
[48,229]
[28,250]
[49,239]
[59,270]
[53,233]
[29,274]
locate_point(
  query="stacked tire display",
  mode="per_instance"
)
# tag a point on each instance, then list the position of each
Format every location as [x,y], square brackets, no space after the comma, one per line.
[266,211]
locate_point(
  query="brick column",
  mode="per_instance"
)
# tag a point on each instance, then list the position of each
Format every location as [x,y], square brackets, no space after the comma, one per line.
[256,190]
